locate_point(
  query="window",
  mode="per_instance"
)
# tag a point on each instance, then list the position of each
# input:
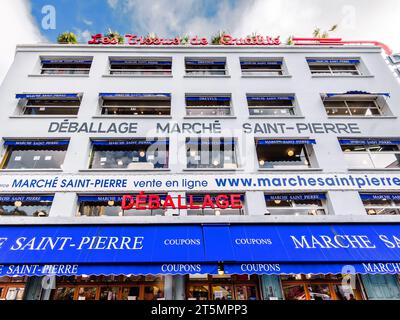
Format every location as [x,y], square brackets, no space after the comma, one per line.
[311,204]
[34,154]
[334,67]
[262,67]
[356,105]
[136,104]
[138,154]
[110,205]
[205,66]
[208,105]
[284,154]
[381,204]
[371,154]
[65,65]
[211,153]
[222,205]
[64,104]
[140,66]
[25,205]
[270,105]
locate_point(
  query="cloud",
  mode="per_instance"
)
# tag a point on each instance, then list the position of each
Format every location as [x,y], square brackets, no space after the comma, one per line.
[357,19]
[87,22]
[17,22]
[82,35]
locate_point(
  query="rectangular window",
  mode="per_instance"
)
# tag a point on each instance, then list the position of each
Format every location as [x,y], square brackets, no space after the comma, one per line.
[371,154]
[356,105]
[222,205]
[140,66]
[381,203]
[110,205]
[205,66]
[262,67]
[34,154]
[334,66]
[25,205]
[136,154]
[136,104]
[296,204]
[211,153]
[49,104]
[208,105]
[65,65]
[271,105]
[284,154]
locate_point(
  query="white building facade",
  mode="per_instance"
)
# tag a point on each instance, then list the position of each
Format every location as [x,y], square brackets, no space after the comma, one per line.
[276,158]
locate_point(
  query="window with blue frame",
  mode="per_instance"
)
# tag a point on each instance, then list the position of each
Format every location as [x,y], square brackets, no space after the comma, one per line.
[271,105]
[206,66]
[334,66]
[140,66]
[262,66]
[381,203]
[25,205]
[66,65]
[296,204]
[34,154]
[199,105]
[134,154]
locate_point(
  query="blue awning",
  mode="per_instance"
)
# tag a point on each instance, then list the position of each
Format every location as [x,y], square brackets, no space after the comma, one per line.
[368,142]
[187,249]
[103,198]
[66,61]
[211,142]
[128,142]
[205,98]
[36,143]
[305,196]
[280,141]
[26,198]
[199,197]
[139,95]
[141,62]
[261,63]
[269,98]
[45,95]
[380,196]
[334,61]
[330,95]
[206,62]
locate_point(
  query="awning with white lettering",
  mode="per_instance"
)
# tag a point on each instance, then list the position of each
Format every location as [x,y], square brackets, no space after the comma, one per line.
[134,95]
[288,197]
[103,198]
[196,141]
[36,143]
[204,62]
[26,198]
[66,61]
[333,61]
[357,93]
[141,62]
[205,98]
[380,196]
[280,141]
[269,98]
[129,142]
[368,142]
[46,95]
[261,62]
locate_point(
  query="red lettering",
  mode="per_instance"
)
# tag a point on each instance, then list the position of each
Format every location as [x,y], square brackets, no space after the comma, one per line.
[191,203]
[181,205]
[169,202]
[207,202]
[226,39]
[154,201]
[236,203]
[96,39]
[222,201]
[127,202]
[141,199]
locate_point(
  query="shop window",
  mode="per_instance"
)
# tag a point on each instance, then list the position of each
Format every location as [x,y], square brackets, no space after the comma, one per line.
[34,154]
[371,154]
[136,104]
[64,104]
[334,66]
[205,66]
[138,154]
[356,105]
[12,288]
[208,105]
[211,153]
[318,287]
[140,66]
[65,65]
[311,204]
[222,205]
[262,67]
[271,105]
[284,154]
[27,206]
[110,205]
[381,203]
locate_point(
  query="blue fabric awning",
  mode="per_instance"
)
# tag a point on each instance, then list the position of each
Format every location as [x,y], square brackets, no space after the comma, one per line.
[380,196]
[128,142]
[36,143]
[280,141]
[66,61]
[305,196]
[188,249]
[261,63]
[45,95]
[26,198]
[206,62]
[334,61]
[368,142]
[269,98]
[102,198]
[139,95]
[211,142]
[330,95]
[141,62]
[205,98]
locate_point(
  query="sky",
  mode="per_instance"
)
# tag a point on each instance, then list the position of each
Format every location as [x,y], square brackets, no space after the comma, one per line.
[38,21]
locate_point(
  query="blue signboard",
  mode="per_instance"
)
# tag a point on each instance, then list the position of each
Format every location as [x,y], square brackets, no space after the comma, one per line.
[334,61]
[368,142]
[280,141]
[261,63]
[380,196]
[128,95]
[45,95]
[36,143]
[128,142]
[293,197]
[269,98]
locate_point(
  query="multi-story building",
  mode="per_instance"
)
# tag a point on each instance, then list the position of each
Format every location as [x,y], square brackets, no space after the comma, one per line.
[199,172]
